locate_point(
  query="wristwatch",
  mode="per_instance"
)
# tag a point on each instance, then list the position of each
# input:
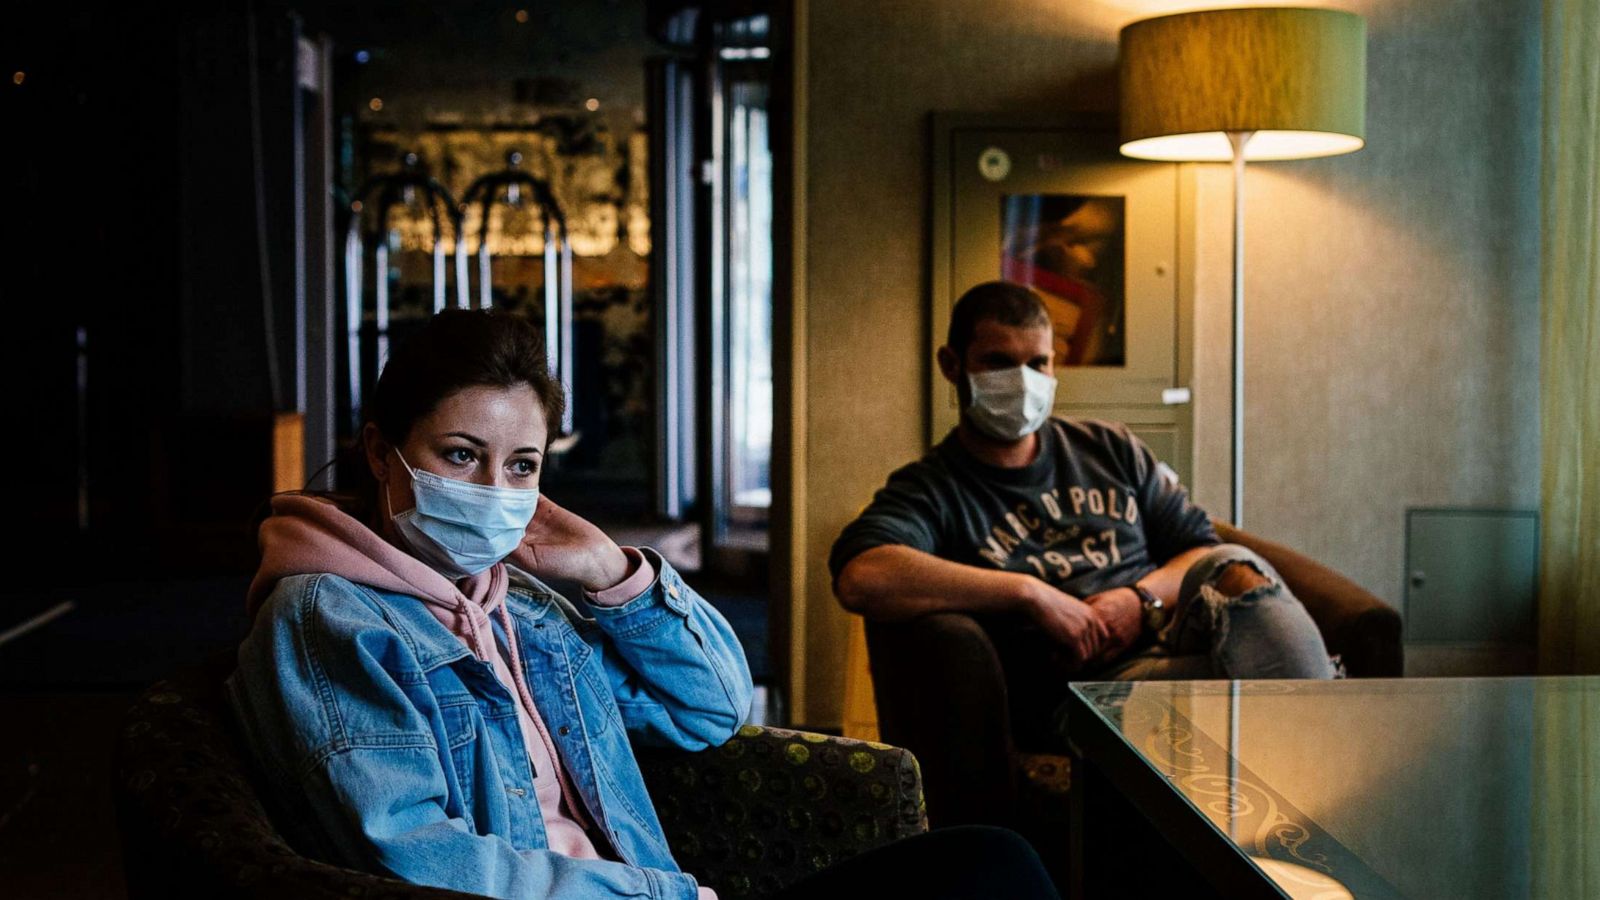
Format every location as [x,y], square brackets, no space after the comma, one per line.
[1154,608]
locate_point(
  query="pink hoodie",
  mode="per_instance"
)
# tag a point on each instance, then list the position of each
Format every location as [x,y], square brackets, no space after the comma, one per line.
[309,535]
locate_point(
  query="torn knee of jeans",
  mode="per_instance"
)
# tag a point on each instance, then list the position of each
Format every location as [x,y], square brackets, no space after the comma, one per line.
[1214,607]
[1240,578]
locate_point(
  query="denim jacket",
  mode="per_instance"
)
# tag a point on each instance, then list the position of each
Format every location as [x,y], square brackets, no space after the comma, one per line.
[389,747]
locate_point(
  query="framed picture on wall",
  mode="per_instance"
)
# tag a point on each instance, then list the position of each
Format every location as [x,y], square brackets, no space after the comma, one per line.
[1105,240]
[1070,248]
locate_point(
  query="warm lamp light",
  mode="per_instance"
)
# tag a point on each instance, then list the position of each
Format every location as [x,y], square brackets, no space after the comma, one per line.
[1213,146]
[1294,78]
[1253,83]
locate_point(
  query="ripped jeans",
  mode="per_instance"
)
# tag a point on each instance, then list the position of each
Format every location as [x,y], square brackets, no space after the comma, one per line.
[1263,633]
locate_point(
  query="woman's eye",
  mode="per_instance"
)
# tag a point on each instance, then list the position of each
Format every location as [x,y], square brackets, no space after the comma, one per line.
[524,467]
[460,456]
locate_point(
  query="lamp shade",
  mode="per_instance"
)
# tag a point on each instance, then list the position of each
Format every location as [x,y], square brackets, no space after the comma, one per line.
[1296,78]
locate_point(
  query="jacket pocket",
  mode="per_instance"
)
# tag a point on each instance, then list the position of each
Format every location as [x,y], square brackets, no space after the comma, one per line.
[594,698]
[462,721]
[598,705]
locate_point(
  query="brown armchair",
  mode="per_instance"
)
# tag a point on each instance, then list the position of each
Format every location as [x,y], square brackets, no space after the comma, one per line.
[746,818]
[940,692]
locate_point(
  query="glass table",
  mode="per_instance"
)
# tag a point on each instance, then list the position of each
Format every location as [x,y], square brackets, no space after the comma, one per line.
[1367,788]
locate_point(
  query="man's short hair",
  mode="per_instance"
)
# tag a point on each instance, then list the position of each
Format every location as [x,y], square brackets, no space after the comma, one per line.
[1005,302]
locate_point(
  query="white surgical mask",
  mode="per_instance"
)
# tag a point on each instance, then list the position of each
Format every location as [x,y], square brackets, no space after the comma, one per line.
[461,528]
[1010,404]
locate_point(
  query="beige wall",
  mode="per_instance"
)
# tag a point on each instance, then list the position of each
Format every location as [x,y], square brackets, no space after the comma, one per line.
[1393,317]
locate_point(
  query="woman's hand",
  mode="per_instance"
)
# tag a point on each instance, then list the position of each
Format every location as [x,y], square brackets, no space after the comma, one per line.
[562,544]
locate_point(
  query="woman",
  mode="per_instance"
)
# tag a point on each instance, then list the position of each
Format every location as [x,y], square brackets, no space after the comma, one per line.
[422,706]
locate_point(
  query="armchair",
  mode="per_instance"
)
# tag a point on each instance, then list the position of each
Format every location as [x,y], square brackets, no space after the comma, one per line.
[941,693]
[746,818]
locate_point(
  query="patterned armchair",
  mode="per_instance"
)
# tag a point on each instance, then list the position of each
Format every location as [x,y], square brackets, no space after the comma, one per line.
[747,818]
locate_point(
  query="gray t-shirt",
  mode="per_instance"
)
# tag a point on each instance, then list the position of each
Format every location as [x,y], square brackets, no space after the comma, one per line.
[1090,513]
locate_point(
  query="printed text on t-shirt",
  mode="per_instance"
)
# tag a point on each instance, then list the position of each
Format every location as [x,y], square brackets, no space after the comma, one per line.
[1023,522]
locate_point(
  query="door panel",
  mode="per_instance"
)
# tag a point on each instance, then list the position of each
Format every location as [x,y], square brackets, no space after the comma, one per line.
[984,175]
[1040,165]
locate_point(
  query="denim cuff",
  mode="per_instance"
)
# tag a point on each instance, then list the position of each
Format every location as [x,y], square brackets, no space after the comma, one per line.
[671,885]
[666,598]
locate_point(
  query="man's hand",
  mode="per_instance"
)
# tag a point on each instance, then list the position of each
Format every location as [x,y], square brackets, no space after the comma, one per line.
[1066,619]
[1121,613]
[562,544]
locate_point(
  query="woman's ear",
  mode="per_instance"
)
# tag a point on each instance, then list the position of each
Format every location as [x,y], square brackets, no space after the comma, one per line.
[377,450]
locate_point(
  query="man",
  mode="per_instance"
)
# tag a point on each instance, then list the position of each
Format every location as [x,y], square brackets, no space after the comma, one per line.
[1063,537]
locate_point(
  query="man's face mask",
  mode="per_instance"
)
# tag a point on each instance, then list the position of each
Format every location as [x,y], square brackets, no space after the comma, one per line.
[461,528]
[1010,404]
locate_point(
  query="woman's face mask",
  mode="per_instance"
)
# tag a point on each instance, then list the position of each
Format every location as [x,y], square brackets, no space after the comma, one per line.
[461,528]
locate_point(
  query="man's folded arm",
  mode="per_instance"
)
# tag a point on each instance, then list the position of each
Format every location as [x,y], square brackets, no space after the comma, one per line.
[891,582]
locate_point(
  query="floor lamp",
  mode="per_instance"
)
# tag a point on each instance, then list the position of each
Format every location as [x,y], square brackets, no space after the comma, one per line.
[1250,83]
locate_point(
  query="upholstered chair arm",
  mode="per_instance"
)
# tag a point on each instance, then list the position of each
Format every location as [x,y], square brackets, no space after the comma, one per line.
[771,806]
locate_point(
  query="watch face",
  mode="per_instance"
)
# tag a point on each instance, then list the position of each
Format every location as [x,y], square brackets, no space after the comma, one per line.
[1155,611]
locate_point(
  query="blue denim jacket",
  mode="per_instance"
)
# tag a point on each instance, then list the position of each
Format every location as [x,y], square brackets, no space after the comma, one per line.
[389,747]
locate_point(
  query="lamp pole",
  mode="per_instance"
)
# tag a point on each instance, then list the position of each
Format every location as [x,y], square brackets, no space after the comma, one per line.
[1237,140]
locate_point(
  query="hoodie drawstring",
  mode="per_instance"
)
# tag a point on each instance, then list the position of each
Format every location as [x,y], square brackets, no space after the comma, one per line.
[516,657]
[474,627]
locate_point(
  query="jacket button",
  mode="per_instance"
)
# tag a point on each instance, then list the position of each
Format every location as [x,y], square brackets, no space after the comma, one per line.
[520,792]
[563,730]
[540,625]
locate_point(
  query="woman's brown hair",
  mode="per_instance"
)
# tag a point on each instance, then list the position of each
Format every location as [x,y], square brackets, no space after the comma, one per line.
[456,349]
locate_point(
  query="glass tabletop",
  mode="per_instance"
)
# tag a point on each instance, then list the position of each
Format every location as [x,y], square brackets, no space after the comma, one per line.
[1461,787]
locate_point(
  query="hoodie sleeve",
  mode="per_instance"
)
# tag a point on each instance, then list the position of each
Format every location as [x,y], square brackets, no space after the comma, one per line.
[641,574]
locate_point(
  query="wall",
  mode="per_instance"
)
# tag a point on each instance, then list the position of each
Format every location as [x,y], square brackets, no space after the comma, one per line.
[1393,313]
